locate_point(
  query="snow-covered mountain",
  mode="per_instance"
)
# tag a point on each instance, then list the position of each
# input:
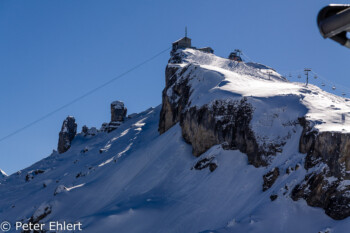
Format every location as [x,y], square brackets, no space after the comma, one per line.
[234,147]
[2,174]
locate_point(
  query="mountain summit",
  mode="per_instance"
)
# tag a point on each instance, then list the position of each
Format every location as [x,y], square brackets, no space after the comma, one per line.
[250,107]
[234,147]
[2,174]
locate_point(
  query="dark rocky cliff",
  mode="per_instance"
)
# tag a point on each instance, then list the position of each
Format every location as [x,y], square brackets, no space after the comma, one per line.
[67,134]
[224,123]
[173,106]
[328,186]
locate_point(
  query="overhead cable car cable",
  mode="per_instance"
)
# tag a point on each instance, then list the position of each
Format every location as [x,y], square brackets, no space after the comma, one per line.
[83,96]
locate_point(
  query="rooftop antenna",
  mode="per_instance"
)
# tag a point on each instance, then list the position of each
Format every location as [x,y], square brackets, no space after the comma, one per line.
[186,31]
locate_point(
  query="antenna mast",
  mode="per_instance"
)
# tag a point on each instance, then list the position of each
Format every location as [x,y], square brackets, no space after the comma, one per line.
[186,31]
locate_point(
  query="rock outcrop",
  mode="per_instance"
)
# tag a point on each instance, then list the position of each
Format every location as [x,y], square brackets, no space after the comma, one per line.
[67,134]
[173,104]
[31,174]
[86,131]
[42,212]
[118,111]
[270,178]
[118,114]
[206,162]
[328,155]
[222,122]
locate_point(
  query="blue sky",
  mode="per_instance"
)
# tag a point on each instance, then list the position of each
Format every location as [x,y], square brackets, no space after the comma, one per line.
[54,51]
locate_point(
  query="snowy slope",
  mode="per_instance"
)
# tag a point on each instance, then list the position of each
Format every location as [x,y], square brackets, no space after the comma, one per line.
[135,180]
[150,187]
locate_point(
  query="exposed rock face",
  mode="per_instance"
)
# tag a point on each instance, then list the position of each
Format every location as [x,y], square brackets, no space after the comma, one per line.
[43,211]
[118,114]
[86,131]
[67,134]
[118,111]
[173,106]
[30,175]
[206,162]
[328,186]
[109,127]
[270,178]
[273,197]
[225,122]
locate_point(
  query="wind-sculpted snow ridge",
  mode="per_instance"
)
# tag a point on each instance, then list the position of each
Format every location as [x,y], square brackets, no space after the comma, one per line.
[255,153]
